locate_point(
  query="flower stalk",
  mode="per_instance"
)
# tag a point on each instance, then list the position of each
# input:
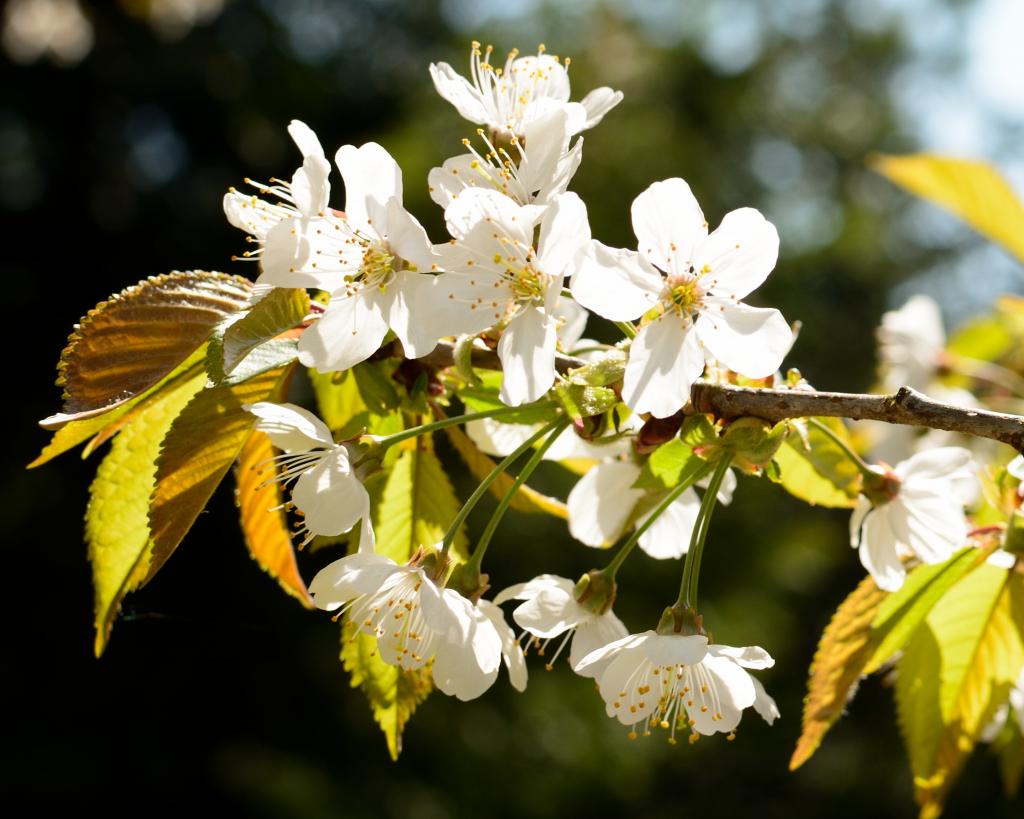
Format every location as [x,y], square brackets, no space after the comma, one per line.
[691,568]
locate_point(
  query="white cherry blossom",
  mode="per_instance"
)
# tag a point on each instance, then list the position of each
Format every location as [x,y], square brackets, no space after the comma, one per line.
[911,342]
[687,285]
[675,681]
[415,622]
[507,99]
[324,485]
[496,276]
[603,500]
[921,516]
[550,609]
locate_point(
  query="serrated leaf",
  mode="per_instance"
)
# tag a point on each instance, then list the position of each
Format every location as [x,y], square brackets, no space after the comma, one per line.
[117,519]
[197,452]
[393,692]
[280,310]
[956,670]
[665,466]
[902,611]
[130,342]
[817,470]
[480,465]
[972,190]
[417,505]
[838,664]
[264,523]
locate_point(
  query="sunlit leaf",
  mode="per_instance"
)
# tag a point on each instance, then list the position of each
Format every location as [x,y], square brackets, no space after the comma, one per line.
[264,523]
[817,470]
[197,452]
[1011,757]
[339,402]
[280,310]
[393,692]
[972,190]
[127,344]
[956,670]
[117,520]
[838,664]
[525,500]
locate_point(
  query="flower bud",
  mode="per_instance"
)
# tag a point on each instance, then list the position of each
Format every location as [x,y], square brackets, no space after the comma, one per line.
[595,591]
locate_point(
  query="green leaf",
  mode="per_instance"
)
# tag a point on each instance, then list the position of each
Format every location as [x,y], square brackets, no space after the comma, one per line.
[753,441]
[580,401]
[280,310]
[1010,751]
[974,191]
[376,387]
[670,462]
[417,505]
[339,402]
[393,692]
[607,370]
[129,343]
[484,397]
[117,520]
[817,470]
[985,339]
[198,451]
[264,523]
[956,670]
[902,612]
[838,664]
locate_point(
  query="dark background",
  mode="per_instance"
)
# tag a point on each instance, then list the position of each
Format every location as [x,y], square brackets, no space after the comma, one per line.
[219,692]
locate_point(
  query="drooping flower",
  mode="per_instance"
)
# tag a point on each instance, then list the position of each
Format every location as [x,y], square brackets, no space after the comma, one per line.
[374,259]
[530,171]
[603,500]
[675,681]
[919,512]
[324,485]
[416,621]
[551,609]
[507,99]
[687,285]
[496,276]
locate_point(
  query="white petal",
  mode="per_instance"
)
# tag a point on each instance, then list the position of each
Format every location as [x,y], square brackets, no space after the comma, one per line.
[749,340]
[476,205]
[565,170]
[330,497]
[546,140]
[878,552]
[617,284]
[747,656]
[527,353]
[305,139]
[563,232]
[250,214]
[407,239]
[350,330]
[664,215]
[462,303]
[457,90]
[371,176]
[572,322]
[408,295]
[594,634]
[937,463]
[289,427]
[1016,467]
[675,649]
[549,613]
[763,703]
[453,177]
[310,187]
[457,674]
[665,359]
[511,651]
[596,662]
[624,674]
[599,102]
[740,253]
[669,536]
[601,502]
[286,256]
[495,438]
[530,589]
[348,578]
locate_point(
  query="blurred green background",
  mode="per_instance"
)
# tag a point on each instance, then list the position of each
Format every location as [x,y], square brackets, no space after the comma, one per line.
[119,133]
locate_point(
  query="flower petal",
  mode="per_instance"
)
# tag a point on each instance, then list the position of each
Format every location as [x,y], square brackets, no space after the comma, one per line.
[665,359]
[457,90]
[676,649]
[598,103]
[305,139]
[617,284]
[601,502]
[511,651]
[668,224]
[310,187]
[749,340]
[371,176]
[563,232]
[746,656]
[763,703]
[549,613]
[669,536]
[350,577]
[595,663]
[739,254]
[350,330]
[525,591]
[938,463]
[527,353]
[330,497]
[878,552]
[290,428]
[594,634]
[408,295]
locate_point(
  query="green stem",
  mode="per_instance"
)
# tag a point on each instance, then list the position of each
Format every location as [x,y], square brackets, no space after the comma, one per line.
[628,330]
[423,429]
[691,569]
[667,501]
[485,484]
[858,461]
[555,427]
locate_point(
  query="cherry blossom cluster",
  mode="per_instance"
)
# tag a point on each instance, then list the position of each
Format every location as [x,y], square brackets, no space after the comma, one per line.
[520,266]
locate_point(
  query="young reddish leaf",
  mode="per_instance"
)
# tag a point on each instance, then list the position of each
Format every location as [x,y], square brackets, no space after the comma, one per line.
[844,648]
[264,524]
[128,343]
[198,451]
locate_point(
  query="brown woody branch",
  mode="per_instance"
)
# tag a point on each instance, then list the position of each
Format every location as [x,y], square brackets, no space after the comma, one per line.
[906,406]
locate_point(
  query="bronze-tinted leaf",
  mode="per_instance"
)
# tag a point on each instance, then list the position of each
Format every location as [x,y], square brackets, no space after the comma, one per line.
[128,343]
[280,310]
[264,524]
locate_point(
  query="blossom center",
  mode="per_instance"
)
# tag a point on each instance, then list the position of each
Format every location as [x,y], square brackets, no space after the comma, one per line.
[683,293]
[394,615]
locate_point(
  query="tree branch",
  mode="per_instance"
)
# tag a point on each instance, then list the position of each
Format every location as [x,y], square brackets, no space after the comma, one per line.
[906,406]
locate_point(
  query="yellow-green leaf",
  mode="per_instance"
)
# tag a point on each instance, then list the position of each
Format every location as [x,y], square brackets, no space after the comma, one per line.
[972,190]
[838,663]
[393,692]
[117,521]
[955,671]
[196,454]
[526,499]
[339,402]
[130,342]
[1011,757]
[264,523]
[280,310]
[817,470]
